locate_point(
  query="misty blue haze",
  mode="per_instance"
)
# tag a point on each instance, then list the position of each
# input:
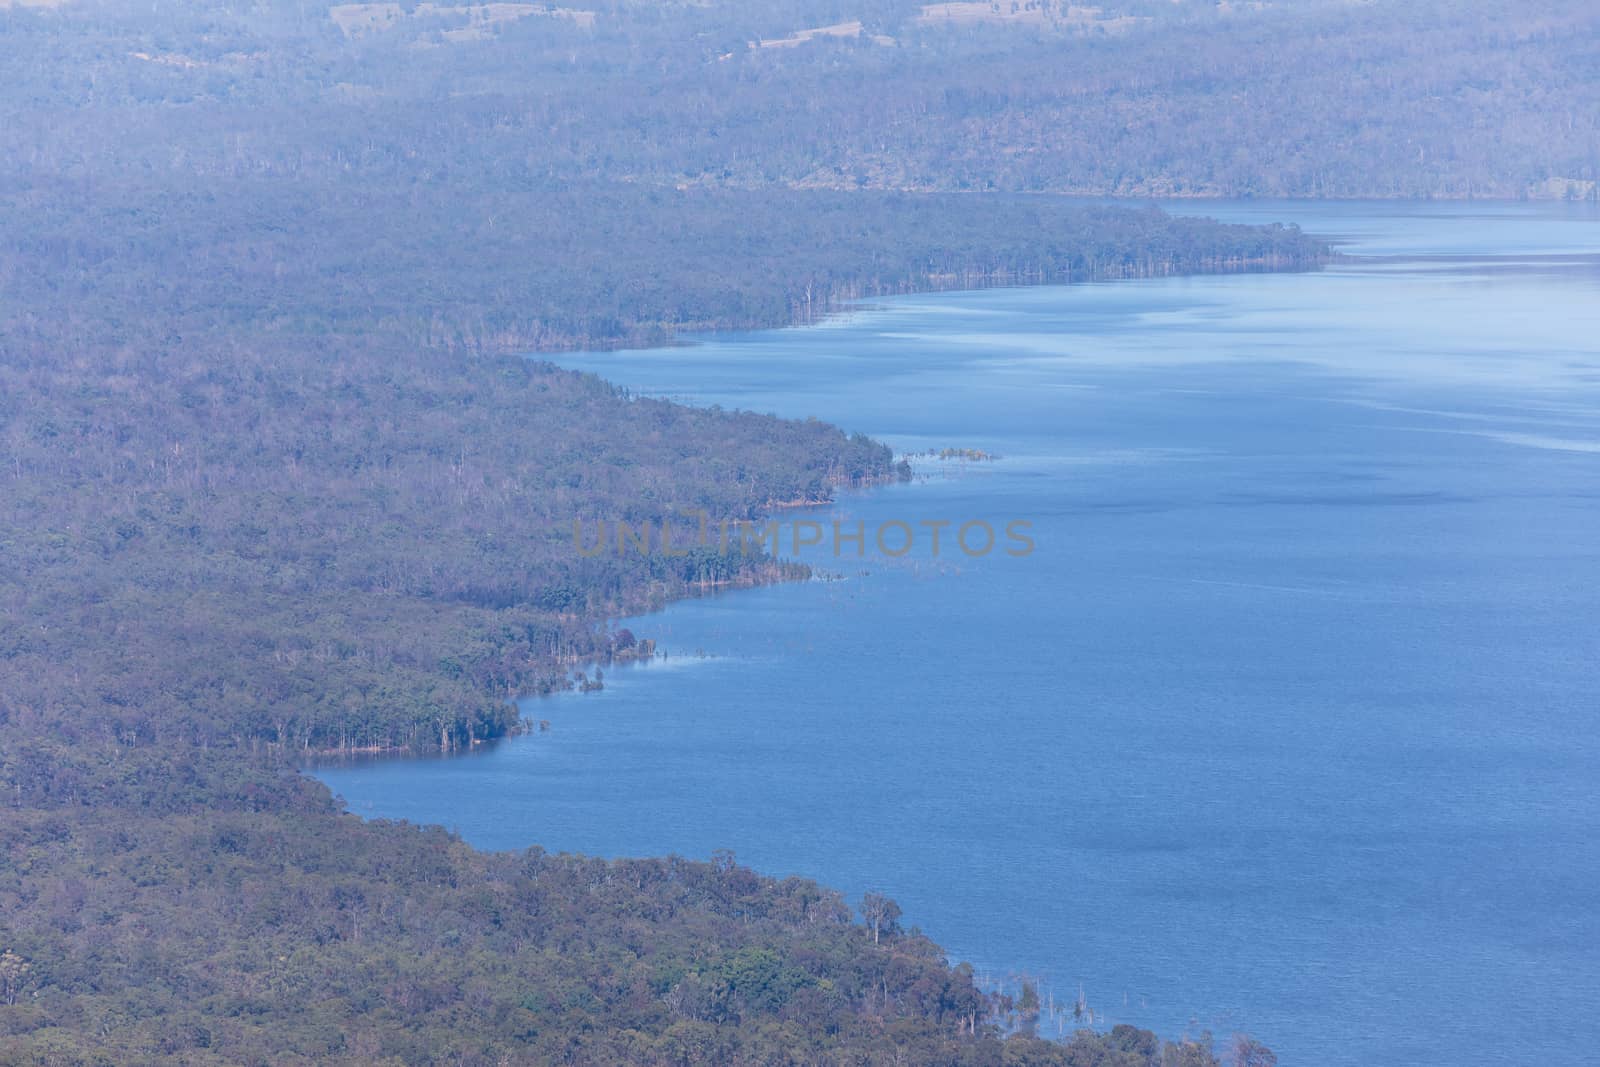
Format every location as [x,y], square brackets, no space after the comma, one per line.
[1288,725]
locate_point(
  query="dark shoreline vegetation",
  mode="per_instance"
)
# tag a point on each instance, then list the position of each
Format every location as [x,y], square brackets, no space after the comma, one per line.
[584,265]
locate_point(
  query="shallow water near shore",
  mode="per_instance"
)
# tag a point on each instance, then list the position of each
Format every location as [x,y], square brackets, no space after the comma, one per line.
[1289,722]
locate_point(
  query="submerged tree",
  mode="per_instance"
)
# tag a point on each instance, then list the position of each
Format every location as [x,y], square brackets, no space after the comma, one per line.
[1028,1007]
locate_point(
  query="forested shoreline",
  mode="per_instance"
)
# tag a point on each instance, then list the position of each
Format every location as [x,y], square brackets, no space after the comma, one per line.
[276,478]
[449,265]
[241,528]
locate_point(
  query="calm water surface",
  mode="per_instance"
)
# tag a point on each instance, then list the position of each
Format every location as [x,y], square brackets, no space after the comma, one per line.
[1289,724]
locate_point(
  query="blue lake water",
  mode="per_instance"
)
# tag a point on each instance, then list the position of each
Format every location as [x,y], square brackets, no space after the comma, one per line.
[1289,722]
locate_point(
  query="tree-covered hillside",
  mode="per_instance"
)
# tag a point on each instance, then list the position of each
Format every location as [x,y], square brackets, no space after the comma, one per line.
[1440,98]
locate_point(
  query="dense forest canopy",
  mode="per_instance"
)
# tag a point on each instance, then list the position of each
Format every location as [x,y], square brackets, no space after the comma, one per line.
[457,265]
[1442,98]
